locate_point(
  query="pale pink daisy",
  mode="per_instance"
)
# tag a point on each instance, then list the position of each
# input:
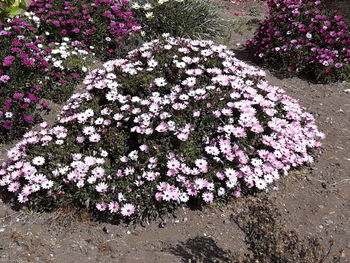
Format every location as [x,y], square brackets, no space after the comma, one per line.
[128,210]
[101,187]
[208,197]
[113,207]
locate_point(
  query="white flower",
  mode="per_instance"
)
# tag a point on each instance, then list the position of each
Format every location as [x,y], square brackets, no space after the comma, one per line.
[160,82]
[260,184]
[101,187]
[309,35]
[184,197]
[133,155]
[149,15]
[147,6]
[47,184]
[221,191]
[256,162]
[8,114]
[135,6]
[35,187]
[39,160]
[152,63]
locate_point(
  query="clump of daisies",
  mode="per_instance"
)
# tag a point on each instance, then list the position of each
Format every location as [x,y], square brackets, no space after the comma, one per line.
[181,18]
[175,121]
[108,25]
[70,58]
[302,37]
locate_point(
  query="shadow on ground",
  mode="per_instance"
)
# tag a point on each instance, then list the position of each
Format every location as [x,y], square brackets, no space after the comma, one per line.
[199,249]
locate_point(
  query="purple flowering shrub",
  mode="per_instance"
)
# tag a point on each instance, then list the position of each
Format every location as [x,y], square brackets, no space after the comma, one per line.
[100,23]
[303,37]
[22,61]
[175,121]
[31,68]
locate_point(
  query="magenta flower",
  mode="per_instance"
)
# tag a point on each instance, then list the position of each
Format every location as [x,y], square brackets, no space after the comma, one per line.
[28,118]
[18,95]
[7,124]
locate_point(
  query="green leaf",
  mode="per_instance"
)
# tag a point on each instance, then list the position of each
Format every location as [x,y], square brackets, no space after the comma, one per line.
[23,4]
[13,11]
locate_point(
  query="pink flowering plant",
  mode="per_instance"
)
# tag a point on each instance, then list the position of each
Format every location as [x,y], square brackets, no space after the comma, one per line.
[303,37]
[99,23]
[175,121]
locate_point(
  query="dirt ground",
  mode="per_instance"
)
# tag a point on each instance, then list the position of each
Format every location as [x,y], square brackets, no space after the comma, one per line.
[313,201]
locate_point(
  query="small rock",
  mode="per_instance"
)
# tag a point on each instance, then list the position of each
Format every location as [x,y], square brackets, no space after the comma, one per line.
[185,219]
[226,221]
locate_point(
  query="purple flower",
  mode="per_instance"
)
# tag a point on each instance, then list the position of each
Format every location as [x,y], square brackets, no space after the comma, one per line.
[32,97]
[18,95]
[28,118]
[7,124]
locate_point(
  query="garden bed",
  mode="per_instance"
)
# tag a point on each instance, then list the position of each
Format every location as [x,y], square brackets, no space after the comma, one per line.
[313,201]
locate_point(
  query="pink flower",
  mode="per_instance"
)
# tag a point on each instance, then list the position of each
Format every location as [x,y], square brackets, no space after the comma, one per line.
[208,197]
[13,187]
[101,206]
[128,210]
[182,136]
[101,187]
[162,127]
[113,207]
[95,137]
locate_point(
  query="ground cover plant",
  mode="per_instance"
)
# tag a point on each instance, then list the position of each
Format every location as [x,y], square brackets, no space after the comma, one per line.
[303,37]
[22,61]
[102,24]
[33,68]
[175,121]
[181,18]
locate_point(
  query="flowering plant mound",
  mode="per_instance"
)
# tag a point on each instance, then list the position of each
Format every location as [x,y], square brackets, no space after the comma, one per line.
[176,120]
[303,37]
[181,18]
[31,69]
[100,23]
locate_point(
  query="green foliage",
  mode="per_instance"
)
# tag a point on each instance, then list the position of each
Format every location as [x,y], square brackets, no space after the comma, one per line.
[197,19]
[11,8]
